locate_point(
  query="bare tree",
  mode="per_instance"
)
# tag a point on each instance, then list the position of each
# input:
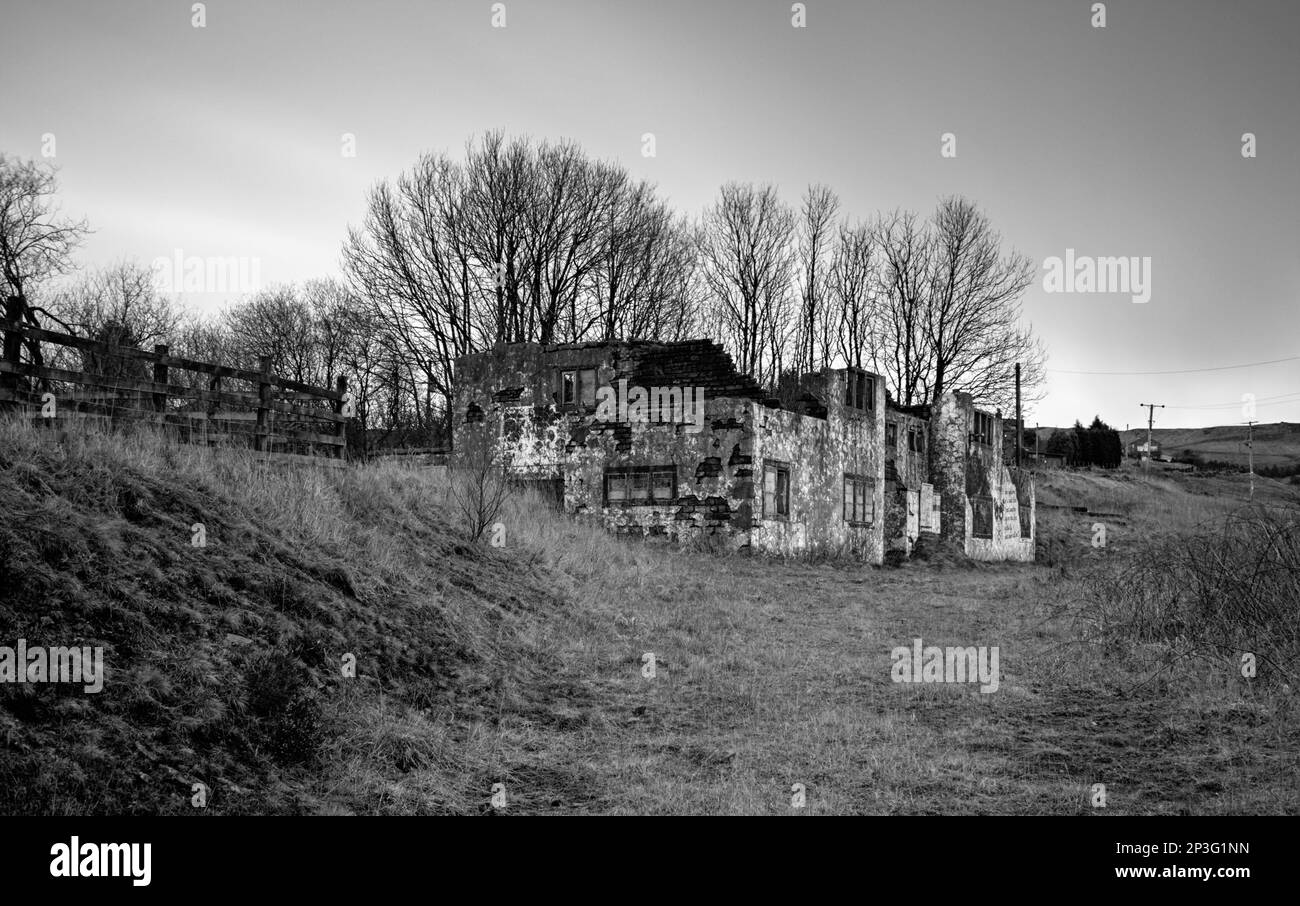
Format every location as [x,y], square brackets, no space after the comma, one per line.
[672,293]
[206,339]
[949,312]
[567,234]
[899,351]
[119,306]
[971,324]
[747,255]
[517,243]
[478,484]
[339,325]
[35,242]
[487,209]
[117,302]
[816,234]
[853,290]
[278,324]
[412,266]
[643,280]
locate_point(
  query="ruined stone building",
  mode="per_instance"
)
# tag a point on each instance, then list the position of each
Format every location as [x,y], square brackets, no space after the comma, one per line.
[669,440]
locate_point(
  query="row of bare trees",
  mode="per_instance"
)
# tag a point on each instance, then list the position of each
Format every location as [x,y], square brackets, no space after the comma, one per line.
[518,240]
[933,304]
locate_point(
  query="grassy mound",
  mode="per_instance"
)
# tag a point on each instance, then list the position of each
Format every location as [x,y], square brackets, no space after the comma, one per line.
[224,663]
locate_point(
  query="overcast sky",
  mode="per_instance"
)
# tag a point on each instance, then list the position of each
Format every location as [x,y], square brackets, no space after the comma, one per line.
[1116,141]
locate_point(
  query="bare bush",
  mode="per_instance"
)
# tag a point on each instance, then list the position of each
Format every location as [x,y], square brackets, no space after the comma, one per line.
[478,485]
[1212,596]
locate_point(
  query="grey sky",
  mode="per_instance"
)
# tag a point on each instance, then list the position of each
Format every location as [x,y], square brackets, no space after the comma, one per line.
[1123,141]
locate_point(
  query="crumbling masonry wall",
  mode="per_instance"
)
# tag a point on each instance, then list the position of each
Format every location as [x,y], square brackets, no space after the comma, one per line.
[985,508]
[511,394]
[908,492]
[509,400]
[820,452]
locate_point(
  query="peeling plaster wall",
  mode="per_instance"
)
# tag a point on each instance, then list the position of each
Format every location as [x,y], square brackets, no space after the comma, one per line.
[715,484]
[820,452]
[949,430]
[1007,543]
[512,390]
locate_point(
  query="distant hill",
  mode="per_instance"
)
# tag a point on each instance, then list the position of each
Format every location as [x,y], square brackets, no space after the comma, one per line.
[1275,444]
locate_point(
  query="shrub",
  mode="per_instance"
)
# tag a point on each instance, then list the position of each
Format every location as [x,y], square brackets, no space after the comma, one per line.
[478,484]
[1213,595]
[284,708]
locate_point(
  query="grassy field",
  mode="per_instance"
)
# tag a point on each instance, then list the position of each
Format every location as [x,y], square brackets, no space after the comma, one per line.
[523,666]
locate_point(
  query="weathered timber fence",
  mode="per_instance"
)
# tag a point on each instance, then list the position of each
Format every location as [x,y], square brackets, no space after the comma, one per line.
[197,402]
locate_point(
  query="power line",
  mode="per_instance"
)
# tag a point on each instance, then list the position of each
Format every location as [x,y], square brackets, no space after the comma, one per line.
[1183,371]
[1281,399]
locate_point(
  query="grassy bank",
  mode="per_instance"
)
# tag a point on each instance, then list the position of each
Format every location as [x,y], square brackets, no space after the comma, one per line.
[523,666]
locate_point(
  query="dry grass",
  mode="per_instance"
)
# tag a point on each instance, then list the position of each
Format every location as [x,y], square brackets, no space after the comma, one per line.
[524,666]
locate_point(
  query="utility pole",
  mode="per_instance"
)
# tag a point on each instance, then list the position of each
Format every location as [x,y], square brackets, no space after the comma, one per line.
[1151,417]
[1020,433]
[1250,452]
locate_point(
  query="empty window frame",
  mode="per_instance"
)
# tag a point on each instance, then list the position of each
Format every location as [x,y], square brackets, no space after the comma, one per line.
[859,390]
[1026,521]
[916,439]
[859,499]
[576,388]
[982,428]
[640,485]
[776,490]
[891,435]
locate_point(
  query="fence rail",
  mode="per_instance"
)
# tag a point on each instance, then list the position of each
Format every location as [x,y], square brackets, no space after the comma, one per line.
[199,402]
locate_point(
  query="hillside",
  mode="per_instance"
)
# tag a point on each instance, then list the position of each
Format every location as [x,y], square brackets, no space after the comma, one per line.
[224,663]
[1276,444]
[525,666]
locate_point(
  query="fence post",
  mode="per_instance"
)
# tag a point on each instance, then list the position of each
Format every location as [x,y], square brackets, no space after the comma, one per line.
[341,428]
[263,397]
[160,377]
[13,341]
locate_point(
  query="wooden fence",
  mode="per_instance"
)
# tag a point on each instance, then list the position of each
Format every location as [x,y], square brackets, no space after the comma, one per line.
[196,402]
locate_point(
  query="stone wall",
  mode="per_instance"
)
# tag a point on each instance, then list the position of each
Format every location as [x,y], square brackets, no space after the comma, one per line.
[981,500]
[949,440]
